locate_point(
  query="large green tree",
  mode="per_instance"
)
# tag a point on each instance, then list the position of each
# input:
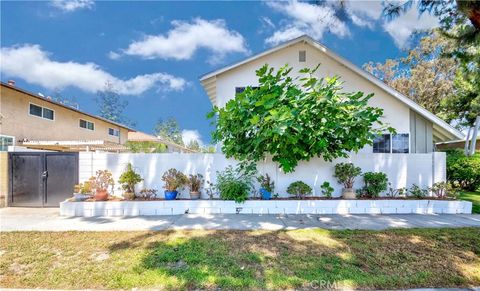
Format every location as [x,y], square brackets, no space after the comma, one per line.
[295,119]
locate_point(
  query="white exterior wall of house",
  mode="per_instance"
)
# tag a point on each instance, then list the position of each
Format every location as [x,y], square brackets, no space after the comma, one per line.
[396,113]
[402,170]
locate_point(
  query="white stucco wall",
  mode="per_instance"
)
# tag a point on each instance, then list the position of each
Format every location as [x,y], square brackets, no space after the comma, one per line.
[402,170]
[396,113]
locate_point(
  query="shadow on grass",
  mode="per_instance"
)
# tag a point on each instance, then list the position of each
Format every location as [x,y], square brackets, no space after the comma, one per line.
[305,259]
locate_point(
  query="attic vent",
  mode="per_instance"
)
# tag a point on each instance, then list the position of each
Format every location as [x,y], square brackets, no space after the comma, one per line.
[302,56]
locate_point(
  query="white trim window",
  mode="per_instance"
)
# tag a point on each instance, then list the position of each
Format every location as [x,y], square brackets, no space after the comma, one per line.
[113,132]
[87,124]
[392,143]
[5,141]
[42,112]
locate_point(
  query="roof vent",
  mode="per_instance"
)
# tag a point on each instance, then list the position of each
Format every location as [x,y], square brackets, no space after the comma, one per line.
[11,83]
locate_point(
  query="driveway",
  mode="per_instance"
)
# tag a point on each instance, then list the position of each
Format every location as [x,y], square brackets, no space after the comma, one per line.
[48,219]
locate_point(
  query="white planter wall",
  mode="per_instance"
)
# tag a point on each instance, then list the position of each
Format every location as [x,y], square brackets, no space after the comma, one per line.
[145,208]
[402,170]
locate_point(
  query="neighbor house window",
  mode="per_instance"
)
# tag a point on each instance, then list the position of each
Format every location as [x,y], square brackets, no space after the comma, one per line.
[302,56]
[391,143]
[241,89]
[87,124]
[42,112]
[6,141]
[114,132]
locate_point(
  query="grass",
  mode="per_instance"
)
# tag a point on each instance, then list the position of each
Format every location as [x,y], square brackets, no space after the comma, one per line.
[241,259]
[474,197]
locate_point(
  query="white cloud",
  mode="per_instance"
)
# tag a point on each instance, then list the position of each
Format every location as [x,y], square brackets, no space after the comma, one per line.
[181,42]
[72,5]
[316,19]
[306,18]
[402,27]
[34,65]
[189,135]
[114,55]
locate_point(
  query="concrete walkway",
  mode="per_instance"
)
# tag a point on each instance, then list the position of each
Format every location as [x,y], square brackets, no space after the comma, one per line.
[48,219]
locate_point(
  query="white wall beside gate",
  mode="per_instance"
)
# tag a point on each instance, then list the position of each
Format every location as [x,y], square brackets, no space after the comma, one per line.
[402,170]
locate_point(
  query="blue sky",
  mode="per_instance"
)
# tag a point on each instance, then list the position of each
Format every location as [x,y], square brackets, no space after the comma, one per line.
[154,52]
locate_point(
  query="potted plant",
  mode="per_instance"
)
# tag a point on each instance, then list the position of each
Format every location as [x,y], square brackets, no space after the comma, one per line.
[128,179]
[266,186]
[82,191]
[148,193]
[345,174]
[299,189]
[174,180]
[375,183]
[100,183]
[195,183]
[326,189]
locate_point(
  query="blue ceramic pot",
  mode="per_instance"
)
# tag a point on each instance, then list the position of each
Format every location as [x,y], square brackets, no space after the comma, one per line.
[266,195]
[170,195]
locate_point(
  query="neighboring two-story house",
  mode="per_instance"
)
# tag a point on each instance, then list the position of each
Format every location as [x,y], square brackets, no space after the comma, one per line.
[37,122]
[417,129]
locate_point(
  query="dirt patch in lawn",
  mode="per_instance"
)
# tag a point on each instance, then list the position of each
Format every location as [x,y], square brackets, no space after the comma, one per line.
[314,258]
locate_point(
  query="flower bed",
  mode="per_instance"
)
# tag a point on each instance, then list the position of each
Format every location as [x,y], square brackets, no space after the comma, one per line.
[175,207]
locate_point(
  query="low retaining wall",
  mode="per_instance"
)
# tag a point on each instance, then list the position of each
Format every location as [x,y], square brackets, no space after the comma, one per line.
[143,208]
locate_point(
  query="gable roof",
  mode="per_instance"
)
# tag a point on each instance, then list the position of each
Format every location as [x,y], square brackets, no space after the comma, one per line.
[448,131]
[63,105]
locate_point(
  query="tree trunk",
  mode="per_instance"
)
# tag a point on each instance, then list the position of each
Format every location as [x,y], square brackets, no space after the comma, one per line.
[474,136]
[466,150]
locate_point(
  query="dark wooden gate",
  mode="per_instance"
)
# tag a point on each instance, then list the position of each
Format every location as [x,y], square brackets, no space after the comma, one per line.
[41,179]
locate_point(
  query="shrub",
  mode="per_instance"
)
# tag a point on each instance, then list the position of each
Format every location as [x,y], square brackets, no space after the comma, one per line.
[443,190]
[83,188]
[174,180]
[417,192]
[148,193]
[463,170]
[266,182]
[346,173]
[195,182]
[392,192]
[235,183]
[375,183]
[326,189]
[299,189]
[129,179]
[102,180]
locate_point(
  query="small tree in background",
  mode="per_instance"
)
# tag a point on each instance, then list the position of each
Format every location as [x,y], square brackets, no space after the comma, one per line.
[194,145]
[169,130]
[111,107]
[295,119]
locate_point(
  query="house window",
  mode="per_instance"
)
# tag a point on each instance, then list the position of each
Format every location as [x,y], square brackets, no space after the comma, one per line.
[114,132]
[381,143]
[87,124]
[302,56]
[241,89]
[400,143]
[42,112]
[6,141]
[388,143]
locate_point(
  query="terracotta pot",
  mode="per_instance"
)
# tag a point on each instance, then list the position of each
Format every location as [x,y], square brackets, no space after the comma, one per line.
[195,195]
[101,195]
[348,193]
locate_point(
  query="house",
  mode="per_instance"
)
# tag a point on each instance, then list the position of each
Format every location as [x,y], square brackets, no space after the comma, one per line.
[417,129]
[33,121]
[457,144]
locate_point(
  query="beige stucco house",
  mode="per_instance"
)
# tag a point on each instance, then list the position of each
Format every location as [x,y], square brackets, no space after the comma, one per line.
[37,122]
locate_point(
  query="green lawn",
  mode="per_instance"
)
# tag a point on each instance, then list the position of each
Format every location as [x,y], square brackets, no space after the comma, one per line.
[241,259]
[474,197]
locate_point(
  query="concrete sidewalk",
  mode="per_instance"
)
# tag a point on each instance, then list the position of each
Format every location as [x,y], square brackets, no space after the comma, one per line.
[48,219]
